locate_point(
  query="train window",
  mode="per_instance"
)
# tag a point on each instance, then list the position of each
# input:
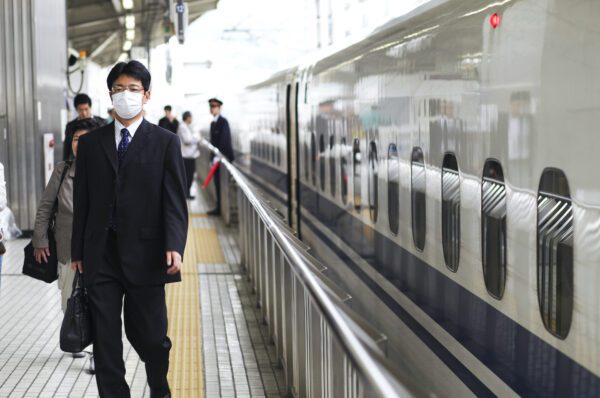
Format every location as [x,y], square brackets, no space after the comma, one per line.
[451,211]
[313,159]
[555,252]
[393,176]
[356,173]
[373,175]
[493,228]
[322,161]
[332,159]
[344,171]
[417,171]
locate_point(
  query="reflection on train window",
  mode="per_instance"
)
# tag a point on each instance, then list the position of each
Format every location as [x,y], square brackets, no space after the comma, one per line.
[306,160]
[555,252]
[322,161]
[417,172]
[373,172]
[493,228]
[356,173]
[393,175]
[451,211]
[344,171]
[278,149]
[313,159]
[332,164]
[306,93]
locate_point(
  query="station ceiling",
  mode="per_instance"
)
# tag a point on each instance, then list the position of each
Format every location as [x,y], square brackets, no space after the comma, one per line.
[98,26]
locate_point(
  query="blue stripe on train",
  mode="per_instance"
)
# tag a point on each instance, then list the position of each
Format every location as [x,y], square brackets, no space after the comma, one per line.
[529,365]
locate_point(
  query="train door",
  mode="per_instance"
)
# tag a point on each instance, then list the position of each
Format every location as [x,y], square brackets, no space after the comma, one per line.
[292,157]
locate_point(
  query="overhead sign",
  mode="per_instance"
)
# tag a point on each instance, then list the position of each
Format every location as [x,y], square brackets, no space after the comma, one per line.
[181,20]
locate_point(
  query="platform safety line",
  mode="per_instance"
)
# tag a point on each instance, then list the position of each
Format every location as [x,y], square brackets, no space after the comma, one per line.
[186,374]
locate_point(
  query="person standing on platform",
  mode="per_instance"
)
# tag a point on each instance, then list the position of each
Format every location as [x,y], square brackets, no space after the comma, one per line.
[220,137]
[60,188]
[189,149]
[169,122]
[129,232]
[83,106]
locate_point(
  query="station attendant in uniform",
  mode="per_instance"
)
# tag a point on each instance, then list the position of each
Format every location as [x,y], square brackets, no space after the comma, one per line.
[220,137]
[129,232]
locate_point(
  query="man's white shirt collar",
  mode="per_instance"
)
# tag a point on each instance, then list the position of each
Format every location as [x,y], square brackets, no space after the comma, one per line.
[216,118]
[132,129]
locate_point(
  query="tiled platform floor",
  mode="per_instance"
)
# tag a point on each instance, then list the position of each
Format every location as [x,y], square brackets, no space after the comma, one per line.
[238,361]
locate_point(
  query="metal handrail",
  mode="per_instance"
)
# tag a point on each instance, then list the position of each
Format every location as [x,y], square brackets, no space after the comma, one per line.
[359,355]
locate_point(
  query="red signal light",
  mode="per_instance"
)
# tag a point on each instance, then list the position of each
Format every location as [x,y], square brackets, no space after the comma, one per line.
[495,20]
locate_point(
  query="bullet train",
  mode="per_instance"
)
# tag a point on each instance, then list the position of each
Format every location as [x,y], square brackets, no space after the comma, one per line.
[443,169]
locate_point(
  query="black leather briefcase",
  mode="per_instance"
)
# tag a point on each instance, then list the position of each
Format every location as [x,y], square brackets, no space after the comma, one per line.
[46,272]
[76,329]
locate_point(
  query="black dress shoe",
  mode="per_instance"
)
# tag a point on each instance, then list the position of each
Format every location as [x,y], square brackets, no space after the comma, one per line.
[214,212]
[160,394]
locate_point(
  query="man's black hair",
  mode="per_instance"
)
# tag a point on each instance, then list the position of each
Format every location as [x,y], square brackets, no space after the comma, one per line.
[133,69]
[86,124]
[81,99]
[168,108]
[186,115]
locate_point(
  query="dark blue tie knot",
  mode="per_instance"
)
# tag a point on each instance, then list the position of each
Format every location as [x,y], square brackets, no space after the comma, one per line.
[125,133]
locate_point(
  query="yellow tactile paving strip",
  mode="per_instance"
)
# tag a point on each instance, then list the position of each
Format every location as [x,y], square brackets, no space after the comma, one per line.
[186,376]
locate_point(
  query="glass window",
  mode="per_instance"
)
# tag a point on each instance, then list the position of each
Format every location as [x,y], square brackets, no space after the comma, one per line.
[344,171]
[322,161]
[417,175]
[555,252]
[493,228]
[332,159]
[393,176]
[451,211]
[313,159]
[373,175]
[357,173]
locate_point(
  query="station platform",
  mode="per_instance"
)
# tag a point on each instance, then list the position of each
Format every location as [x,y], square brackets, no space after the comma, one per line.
[221,348]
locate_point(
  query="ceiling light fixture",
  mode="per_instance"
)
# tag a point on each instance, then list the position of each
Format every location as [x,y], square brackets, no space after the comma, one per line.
[123,57]
[130,21]
[130,34]
[127,45]
[127,4]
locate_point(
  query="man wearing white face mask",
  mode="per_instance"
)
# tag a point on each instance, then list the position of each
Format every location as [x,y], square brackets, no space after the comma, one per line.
[129,232]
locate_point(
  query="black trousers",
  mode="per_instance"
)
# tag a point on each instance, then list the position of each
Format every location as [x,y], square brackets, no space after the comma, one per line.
[145,317]
[190,169]
[217,180]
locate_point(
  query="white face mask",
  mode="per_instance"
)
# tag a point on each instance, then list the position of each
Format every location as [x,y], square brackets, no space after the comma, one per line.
[127,104]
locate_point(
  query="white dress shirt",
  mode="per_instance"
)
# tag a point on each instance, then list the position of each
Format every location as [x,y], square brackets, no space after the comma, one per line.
[216,118]
[189,141]
[132,129]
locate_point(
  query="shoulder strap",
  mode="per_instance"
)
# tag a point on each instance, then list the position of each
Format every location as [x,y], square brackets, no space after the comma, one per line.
[62,178]
[64,172]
